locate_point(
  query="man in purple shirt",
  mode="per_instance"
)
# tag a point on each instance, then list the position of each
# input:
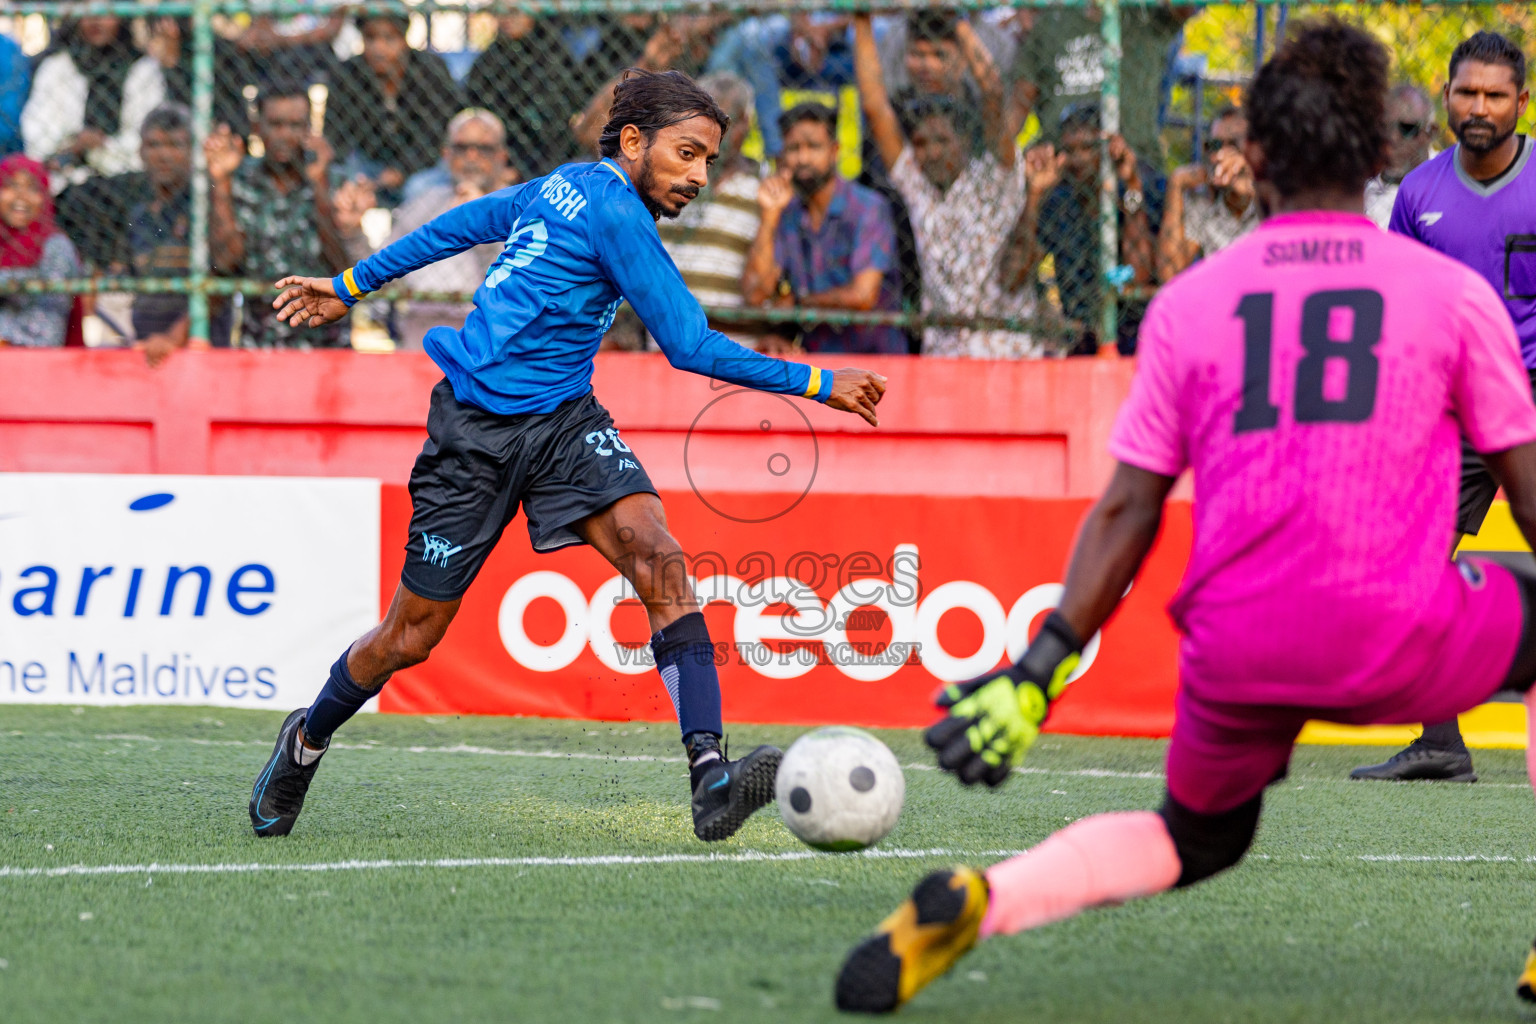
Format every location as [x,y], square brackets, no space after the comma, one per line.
[831,242]
[1475,203]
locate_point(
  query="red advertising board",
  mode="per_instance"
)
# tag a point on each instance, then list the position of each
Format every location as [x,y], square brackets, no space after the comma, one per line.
[977,478]
[891,595]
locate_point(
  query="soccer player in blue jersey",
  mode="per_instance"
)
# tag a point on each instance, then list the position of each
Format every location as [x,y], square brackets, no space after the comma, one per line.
[515,422]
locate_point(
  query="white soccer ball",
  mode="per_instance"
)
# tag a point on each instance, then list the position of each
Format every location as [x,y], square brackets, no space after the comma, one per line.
[840,789]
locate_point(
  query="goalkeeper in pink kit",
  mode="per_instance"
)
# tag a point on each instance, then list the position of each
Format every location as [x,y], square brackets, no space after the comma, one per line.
[1314,377]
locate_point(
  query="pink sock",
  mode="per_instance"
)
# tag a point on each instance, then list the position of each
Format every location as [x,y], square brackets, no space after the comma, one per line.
[1107,858]
[1530,734]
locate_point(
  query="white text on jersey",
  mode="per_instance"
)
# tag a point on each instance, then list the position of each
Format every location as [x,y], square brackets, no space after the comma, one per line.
[563,196]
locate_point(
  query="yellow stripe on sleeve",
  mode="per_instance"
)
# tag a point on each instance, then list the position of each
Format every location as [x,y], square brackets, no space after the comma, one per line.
[813,386]
[351,282]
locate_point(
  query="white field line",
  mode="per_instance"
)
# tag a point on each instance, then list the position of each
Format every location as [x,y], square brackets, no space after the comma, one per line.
[603,860]
[568,755]
[571,755]
[634,860]
[1472,858]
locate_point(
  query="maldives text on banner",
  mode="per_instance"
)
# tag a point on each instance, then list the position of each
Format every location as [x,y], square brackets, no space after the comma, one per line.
[236,591]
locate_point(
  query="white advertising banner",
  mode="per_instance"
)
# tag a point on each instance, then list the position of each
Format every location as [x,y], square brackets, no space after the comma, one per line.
[233,591]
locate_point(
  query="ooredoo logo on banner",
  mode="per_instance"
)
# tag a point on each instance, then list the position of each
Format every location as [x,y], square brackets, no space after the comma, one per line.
[236,591]
[844,608]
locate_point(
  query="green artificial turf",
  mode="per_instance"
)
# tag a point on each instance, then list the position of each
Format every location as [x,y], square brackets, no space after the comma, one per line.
[1305,930]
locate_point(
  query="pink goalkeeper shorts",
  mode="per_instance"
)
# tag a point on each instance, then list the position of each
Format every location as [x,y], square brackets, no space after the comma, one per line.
[1224,754]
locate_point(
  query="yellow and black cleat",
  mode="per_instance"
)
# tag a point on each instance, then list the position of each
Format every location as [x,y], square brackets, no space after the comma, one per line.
[1525,988]
[932,929]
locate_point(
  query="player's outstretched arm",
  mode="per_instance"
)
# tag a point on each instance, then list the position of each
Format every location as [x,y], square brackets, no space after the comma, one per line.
[487,219]
[991,721]
[308,302]
[631,253]
[1111,546]
[857,391]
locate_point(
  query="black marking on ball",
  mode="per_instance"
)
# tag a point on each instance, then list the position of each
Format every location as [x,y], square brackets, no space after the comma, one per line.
[861,779]
[800,799]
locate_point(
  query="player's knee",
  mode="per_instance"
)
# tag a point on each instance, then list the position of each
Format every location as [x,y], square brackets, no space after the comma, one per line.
[412,649]
[660,569]
[412,644]
[1208,844]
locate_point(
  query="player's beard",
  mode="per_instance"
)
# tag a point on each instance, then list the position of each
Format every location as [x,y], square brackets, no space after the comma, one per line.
[646,186]
[1495,139]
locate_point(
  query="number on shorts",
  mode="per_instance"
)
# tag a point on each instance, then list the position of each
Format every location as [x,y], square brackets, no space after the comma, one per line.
[611,435]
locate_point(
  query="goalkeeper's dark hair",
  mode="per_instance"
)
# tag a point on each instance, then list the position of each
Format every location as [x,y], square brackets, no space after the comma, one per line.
[653,100]
[1318,108]
[1489,48]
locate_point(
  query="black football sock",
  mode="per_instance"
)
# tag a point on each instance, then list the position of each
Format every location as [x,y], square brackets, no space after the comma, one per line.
[338,701]
[686,660]
[1443,736]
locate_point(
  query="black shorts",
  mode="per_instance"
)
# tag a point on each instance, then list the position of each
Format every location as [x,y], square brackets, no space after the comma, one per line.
[477,466]
[1478,487]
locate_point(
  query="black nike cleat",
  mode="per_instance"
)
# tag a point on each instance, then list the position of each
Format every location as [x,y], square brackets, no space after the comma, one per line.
[278,796]
[1419,761]
[933,928]
[729,791]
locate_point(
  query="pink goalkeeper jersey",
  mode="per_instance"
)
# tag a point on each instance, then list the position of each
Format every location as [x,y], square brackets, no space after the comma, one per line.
[1314,376]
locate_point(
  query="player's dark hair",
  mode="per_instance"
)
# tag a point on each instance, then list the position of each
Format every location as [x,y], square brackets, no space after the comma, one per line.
[1489,48]
[1318,108]
[653,100]
[810,110]
[167,117]
[281,89]
[1227,110]
[933,25]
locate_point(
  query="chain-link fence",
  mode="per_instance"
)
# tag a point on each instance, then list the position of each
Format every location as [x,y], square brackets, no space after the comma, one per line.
[885,186]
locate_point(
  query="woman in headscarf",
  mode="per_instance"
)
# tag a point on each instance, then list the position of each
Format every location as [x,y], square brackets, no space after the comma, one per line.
[31,247]
[89,95]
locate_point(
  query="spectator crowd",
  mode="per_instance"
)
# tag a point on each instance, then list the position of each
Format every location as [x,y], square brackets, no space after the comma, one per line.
[930,161]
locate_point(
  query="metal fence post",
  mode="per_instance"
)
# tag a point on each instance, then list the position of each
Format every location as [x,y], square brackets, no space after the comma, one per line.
[1109,185]
[202,118]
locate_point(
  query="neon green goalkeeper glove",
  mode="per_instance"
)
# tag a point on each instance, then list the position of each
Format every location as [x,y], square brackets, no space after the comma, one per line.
[993,719]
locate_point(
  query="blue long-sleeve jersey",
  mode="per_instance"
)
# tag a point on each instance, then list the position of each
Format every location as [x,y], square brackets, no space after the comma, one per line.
[576,243]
